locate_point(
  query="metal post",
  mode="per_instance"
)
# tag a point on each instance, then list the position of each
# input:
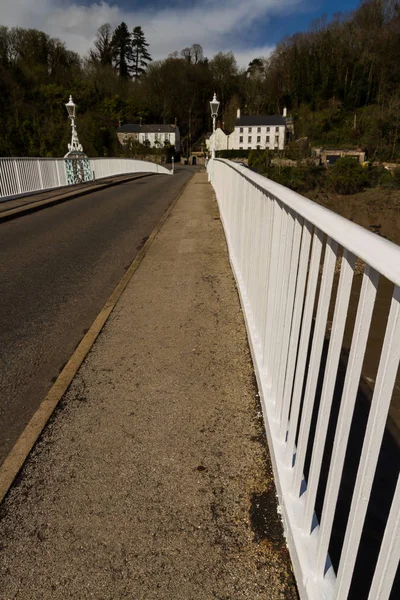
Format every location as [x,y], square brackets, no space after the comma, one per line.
[173,165]
[213,144]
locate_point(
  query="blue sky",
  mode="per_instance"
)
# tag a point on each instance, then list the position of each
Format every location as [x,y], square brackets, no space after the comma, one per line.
[249,28]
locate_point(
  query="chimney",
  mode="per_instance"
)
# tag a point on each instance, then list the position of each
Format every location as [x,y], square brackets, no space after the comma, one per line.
[285,112]
[238,113]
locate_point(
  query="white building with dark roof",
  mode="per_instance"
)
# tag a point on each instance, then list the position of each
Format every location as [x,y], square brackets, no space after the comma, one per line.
[263,131]
[152,135]
[260,132]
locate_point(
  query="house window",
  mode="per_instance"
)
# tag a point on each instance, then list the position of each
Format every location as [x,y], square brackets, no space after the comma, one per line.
[277,139]
[258,129]
[258,139]
[249,129]
[268,128]
[249,139]
[249,148]
[166,136]
[155,137]
[276,128]
[267,139]
[240,147]
[241,140]
[146,136]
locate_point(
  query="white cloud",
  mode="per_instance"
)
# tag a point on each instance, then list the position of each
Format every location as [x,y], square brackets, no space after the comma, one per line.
[216,25]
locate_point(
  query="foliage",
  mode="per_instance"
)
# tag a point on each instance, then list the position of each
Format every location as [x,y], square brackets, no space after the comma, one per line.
[140,54]
[232,153]
[259,160]
[301,179]
[122,50]
[347,176]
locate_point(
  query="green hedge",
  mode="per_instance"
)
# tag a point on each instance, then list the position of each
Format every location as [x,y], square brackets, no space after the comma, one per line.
[232,153]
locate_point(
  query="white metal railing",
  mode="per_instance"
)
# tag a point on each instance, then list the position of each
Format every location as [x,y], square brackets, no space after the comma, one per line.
[284,251]
[106,167]
[19,176]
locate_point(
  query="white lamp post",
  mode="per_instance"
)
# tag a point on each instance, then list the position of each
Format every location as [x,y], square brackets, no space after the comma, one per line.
[214,112]
[74,146]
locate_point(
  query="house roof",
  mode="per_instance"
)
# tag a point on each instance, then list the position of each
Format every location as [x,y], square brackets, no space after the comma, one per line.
[261,120]
[210,133]
[150,128]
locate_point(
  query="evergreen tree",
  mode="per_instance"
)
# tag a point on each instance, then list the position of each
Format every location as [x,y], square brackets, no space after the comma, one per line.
[140,54]
[122,50]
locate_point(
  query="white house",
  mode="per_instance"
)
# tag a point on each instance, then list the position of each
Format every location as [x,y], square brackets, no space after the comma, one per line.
[263,132]
[152,135]
[250,133]
[221,140]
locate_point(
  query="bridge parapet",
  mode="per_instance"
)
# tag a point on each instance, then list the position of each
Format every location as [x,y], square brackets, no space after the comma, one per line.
[19,176]
[294,262]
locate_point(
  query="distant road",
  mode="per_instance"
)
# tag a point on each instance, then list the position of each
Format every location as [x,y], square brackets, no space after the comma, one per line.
[57,269]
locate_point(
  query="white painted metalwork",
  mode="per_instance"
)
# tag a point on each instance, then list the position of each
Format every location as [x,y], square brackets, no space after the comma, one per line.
[284,251]
[75,145]
[20,176]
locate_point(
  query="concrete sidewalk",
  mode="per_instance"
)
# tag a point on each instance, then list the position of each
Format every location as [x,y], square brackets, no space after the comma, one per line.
[152,480]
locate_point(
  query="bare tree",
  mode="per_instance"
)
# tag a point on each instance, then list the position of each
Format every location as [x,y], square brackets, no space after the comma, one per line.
[103,47]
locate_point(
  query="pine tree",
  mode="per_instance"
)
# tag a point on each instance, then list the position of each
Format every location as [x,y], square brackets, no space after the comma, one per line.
[122,50]
[140,54]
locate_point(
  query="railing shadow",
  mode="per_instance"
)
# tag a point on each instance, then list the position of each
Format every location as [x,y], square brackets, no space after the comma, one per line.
[383,487]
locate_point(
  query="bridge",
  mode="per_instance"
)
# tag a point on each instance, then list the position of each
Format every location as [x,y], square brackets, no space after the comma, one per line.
[308,282]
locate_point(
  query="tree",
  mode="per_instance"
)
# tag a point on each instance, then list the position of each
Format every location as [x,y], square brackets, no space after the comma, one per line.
[197,52]
[122,50]
[103,47]
[187,54]
[194,54]
[140,54]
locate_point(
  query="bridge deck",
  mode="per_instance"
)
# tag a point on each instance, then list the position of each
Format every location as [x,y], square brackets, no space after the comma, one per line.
[154,480]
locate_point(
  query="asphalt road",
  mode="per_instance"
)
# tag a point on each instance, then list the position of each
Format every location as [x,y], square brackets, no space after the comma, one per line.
[57,269]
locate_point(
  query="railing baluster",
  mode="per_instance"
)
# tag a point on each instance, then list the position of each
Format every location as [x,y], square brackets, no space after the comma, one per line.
[389,556]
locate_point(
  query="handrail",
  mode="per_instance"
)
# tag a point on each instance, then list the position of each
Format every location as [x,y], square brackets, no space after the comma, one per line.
[385,257]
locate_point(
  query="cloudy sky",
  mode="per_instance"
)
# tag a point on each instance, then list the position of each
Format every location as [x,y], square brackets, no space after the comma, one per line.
[249,28]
